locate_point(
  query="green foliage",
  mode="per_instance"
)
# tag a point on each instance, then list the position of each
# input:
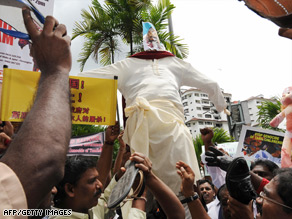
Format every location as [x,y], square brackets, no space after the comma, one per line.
[220,136]
[82,130]
[267,111]
[98,27]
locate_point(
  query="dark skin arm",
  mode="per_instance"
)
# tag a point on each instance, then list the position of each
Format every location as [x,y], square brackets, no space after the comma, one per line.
[37,154]
[163,194]
[119,158]
[239,210]
[188,177]
[104,162]
[207,134]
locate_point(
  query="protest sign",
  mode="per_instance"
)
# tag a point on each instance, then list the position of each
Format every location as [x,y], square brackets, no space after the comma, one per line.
[93,100]
[255,143]
[15,52]
[90,145]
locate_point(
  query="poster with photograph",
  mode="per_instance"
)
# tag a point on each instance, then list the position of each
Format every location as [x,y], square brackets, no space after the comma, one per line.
[257,143]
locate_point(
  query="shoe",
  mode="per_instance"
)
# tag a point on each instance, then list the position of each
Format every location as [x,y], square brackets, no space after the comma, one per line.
[124,185]
[238,181]
[278,11]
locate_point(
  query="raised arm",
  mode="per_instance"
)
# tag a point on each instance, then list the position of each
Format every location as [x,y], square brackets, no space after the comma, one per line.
[167,199]
[187,188]
[119,158]
[37,154]
[104,162]
[207,134]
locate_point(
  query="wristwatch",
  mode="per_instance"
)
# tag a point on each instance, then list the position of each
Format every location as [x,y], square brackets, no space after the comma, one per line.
[190,199]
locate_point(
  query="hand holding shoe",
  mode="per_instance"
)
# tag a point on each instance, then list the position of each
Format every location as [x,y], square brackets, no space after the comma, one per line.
[215,157]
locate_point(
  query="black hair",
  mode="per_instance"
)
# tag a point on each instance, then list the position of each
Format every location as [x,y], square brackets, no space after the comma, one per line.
[272,167]
[284,187]
[202,181]
[74,168]
[222,188]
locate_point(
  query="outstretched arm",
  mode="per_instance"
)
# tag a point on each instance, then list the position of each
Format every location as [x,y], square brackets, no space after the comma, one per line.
[163,194]
[187,188]
[37,154]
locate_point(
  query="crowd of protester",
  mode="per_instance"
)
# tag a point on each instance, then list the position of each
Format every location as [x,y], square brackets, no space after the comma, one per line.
[37,174]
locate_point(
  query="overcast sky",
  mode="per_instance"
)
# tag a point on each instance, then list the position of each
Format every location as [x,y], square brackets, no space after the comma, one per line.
[227,42]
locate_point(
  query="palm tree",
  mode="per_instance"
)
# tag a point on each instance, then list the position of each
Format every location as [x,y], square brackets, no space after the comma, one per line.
[102,26]
[131,13]
[128,14]
[220,136]
[99,29]
[267,111]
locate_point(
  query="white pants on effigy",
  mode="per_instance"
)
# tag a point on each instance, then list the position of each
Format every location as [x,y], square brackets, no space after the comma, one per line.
[156,129]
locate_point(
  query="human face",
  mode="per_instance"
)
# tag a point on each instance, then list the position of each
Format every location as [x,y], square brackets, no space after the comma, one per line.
[87,190]
[263,171]
[271,210]
[207,192]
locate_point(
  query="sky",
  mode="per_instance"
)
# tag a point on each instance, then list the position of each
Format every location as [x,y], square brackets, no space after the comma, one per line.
[227,42]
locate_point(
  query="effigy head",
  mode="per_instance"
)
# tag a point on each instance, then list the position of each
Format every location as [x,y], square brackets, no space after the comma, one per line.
[150,38]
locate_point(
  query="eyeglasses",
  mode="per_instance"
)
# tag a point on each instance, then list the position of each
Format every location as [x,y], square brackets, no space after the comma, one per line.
[264,196]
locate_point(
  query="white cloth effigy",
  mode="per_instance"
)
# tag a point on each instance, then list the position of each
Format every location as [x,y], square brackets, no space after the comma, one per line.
[156,129]
[158,82]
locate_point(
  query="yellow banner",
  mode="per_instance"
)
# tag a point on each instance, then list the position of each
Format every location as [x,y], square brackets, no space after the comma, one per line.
[93,99]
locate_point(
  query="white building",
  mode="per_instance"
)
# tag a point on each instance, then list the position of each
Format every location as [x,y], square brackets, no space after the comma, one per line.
[200,112]
[253,103]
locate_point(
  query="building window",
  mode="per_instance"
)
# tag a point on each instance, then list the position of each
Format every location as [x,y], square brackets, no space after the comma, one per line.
[204,95]
[201,123]
[185,103]
[192,109]
[190,95]
[186,110]
[208,116]
[191,131]
[208,123]
[188,125]
[200,115]
[199,108]
[197,101]
[196,94]
[205,102]
[219,125]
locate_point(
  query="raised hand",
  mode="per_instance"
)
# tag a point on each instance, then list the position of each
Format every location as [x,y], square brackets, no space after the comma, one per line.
[188,177]
[215,157]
